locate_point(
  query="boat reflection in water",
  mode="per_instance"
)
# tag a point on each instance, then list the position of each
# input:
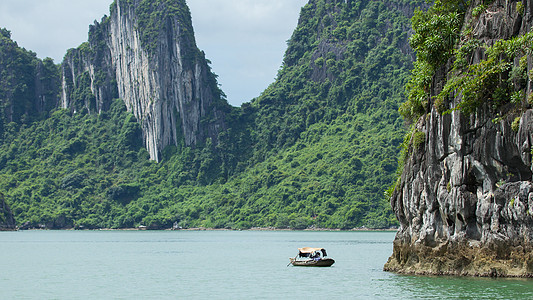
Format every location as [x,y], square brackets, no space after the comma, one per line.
[311,257]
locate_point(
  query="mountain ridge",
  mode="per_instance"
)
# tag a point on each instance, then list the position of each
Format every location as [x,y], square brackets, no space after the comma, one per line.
[317,149]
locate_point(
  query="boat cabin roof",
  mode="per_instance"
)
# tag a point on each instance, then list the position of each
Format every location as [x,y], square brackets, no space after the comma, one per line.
[307,251]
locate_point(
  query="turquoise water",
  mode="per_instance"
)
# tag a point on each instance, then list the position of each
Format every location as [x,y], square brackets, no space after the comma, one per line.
[219,265]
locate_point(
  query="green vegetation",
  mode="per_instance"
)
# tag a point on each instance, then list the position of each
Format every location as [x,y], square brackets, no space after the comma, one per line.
[89,171]
[484,81]
[520,7]
[496,79]
[155,17]
[478,10]
[359,77]
[23,77]
[516,124]
[419,138]
[318,147]
[436,33]
[56,171]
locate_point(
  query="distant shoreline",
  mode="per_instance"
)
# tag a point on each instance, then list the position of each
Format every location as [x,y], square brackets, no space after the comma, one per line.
[218,229]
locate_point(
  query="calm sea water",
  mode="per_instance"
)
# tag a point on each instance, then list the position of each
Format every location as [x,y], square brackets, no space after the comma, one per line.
[219,265]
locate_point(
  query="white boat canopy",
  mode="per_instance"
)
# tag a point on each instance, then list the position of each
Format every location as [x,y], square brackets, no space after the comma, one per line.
[306,251]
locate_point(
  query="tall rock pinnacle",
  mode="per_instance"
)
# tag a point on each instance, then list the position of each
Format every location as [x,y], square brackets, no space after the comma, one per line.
[465,196]
[145,54]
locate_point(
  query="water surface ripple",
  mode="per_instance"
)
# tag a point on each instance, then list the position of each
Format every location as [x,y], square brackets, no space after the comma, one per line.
[219,265]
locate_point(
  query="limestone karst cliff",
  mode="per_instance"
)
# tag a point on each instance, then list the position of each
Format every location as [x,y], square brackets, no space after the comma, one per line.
[145,54]
[7,221]
[317,148]
[465,196]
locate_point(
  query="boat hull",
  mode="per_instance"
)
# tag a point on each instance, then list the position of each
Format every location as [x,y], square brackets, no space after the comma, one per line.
[325,262]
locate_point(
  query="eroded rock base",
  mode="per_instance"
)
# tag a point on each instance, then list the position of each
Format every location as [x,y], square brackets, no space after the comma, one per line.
[461,259]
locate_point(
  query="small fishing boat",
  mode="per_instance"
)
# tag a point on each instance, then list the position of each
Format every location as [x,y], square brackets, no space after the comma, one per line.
[311,257]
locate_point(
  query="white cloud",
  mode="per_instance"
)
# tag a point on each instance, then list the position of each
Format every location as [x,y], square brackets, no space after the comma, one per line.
[245,39]
[50,27]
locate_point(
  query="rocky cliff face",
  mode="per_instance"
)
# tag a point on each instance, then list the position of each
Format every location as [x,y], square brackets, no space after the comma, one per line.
[465,197]
[145,53]
[7,221]
[88,75]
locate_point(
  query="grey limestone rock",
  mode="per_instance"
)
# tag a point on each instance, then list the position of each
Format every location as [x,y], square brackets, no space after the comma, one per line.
[168,87]
[464,198]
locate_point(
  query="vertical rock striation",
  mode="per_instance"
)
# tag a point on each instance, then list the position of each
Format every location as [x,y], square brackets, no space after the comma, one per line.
[7,221]
[88,79]
[146,52]
[465,197]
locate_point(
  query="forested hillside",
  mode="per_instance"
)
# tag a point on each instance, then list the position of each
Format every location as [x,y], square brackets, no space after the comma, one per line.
[318,147]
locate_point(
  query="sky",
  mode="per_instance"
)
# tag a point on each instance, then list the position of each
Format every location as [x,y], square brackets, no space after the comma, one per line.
[244,39]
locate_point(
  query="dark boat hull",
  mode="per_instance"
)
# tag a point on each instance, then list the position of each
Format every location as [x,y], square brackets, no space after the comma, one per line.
[325,262]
